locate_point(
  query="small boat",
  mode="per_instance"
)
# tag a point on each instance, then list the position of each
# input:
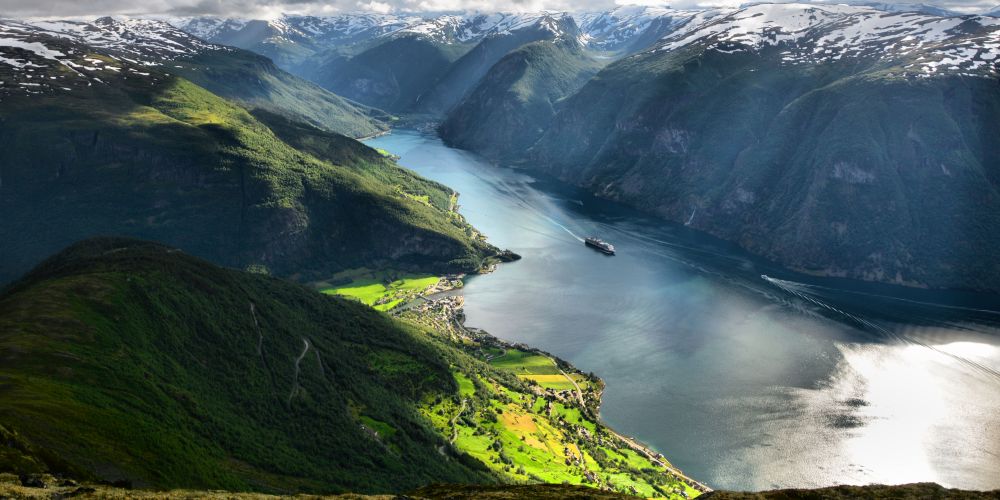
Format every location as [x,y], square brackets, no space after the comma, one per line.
[600,245]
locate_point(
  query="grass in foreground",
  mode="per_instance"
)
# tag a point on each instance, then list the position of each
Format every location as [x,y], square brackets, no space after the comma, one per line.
[534,432]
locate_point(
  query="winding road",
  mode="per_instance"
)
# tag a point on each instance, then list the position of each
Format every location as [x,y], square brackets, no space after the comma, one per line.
[298,362]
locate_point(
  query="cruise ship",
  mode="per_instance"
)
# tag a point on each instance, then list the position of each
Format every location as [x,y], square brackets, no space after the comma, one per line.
[600,245]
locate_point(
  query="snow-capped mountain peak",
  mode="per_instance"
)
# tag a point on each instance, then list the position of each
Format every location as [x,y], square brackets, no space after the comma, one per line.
[915,44]
[47,56]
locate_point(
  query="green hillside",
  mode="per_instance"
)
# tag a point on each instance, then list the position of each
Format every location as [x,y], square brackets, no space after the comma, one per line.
[162,158]
[131,361]
[514,103]
[256,82]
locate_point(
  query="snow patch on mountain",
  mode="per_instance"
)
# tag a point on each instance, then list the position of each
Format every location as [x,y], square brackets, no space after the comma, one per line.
[811,33]
[44,55]
[609,30]
[472,27]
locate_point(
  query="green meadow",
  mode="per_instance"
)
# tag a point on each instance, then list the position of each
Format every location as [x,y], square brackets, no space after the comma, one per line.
[382,290]
[538,368]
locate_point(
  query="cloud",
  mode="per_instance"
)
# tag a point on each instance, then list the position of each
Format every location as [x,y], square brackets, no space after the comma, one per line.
[379,7]
[267,9]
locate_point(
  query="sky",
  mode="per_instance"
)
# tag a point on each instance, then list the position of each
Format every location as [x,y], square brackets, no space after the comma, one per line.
[269,9]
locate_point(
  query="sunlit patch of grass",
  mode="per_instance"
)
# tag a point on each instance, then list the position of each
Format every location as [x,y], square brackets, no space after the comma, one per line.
[380,293]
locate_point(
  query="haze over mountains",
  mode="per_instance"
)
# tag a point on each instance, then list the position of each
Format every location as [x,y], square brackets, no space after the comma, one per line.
[713,118]
[707,117]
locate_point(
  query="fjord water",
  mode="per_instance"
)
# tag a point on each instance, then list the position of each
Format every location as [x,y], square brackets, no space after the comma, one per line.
[743,381]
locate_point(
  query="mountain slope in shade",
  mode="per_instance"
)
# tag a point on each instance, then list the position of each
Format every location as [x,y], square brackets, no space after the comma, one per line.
[391,75]
[467,71]
[232,73]
[515,101]
[106,146]
[427,67]
[836,140]
[373,59]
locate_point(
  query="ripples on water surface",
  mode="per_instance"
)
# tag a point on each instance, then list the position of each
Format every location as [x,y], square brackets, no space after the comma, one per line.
[742,381]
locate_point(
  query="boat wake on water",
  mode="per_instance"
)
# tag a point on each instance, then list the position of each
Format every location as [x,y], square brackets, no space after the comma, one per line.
[806,292]
[529,206]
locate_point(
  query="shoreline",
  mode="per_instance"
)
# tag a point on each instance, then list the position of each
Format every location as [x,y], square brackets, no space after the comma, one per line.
[450,309]
[373,136]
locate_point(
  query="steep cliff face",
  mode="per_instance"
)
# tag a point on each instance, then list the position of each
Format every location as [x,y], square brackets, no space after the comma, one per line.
[392,75]
[821,142]
[468,71]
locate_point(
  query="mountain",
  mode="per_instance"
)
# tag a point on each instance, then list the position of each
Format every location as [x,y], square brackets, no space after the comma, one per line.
[235,74]
[835,140]
[129,361]
[467,71]
[630,28]
[920,8]
[513,104]
[392,74]
[291,39]
[425,65]
[93,143]
[995,12]
[428,66]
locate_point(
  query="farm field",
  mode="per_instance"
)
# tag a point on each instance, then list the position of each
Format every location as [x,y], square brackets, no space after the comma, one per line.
[382,290]
[538,368]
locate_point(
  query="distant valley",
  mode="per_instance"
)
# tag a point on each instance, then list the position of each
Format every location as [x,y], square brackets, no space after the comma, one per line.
[749,124]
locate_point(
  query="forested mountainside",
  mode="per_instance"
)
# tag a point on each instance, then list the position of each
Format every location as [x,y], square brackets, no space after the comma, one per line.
[836,140]
[98,142]
[427,68]
[514,103]
[133,362]
[219,379]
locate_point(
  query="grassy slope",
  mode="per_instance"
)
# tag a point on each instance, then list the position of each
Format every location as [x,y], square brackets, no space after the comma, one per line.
[257,83]
[383,291]
[538,368]
[175,163]
[526,431]
[129,360]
